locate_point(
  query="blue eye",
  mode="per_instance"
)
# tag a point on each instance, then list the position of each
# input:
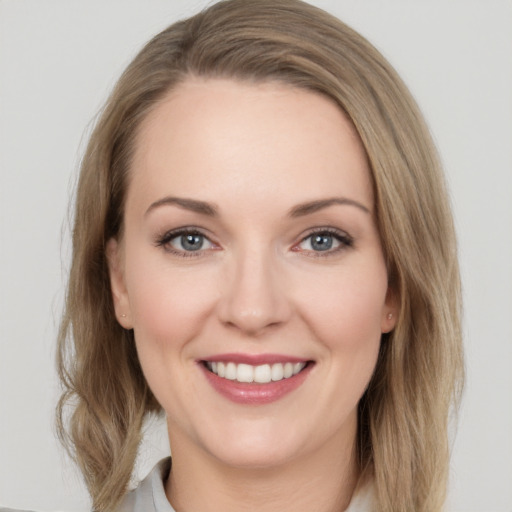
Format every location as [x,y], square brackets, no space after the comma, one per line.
[321,242]
[325,241]
[188,242]
[185,242]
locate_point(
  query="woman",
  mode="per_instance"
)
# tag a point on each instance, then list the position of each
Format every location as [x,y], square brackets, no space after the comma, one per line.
[263,250]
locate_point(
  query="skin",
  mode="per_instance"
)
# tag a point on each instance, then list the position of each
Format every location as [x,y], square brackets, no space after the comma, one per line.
[257,285]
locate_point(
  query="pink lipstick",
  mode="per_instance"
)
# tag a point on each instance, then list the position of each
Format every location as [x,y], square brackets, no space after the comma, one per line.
[255,379]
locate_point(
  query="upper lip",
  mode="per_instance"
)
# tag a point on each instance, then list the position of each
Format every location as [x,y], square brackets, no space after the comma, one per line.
[254,359]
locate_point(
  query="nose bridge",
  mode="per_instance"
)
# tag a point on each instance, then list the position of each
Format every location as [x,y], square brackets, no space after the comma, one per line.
[253,296]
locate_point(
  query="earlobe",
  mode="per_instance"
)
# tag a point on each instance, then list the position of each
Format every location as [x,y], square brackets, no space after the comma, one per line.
[388,322]
[117,283]
[390,312]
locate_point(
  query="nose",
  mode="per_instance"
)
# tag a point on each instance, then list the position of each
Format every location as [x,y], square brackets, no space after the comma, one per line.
[253,297]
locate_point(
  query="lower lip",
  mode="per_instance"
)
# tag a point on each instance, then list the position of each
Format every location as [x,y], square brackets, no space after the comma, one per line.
[252,393]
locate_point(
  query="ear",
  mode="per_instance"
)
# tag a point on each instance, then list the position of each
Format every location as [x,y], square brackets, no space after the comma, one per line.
[390,311]
[122,309]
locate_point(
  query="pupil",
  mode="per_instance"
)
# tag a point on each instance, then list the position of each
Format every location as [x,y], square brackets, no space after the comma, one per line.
[192,242]
[321,242]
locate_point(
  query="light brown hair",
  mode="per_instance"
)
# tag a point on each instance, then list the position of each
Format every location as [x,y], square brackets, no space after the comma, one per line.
[402,440]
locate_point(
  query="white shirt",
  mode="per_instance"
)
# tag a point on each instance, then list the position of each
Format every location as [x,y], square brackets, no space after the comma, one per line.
[150,496]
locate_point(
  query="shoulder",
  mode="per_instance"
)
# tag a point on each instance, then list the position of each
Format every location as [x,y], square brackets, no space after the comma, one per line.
[150,493]
[362,501]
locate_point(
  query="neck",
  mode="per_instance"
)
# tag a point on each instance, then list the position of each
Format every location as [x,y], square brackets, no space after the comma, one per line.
[323,481]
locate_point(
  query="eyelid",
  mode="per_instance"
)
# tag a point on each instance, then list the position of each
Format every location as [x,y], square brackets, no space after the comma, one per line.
[164,240]
[345,241]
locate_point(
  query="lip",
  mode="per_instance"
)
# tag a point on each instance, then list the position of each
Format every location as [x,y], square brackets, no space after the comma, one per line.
[255,393]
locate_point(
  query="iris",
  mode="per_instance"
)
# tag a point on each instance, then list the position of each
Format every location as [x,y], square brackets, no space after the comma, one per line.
[192,242]
[321,242]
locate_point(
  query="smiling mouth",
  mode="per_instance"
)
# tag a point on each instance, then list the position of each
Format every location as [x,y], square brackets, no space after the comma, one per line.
[259,374]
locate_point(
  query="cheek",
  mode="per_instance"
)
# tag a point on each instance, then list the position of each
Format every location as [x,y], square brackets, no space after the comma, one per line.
[344,311]
[168,306]
[168,310]
[345,308]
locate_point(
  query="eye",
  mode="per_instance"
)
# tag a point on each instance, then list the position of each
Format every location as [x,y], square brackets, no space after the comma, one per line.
[324,241]
[320,242]
[185,242]
[190,242]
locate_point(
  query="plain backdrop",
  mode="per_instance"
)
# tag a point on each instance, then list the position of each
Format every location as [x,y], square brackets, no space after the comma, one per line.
[58,61]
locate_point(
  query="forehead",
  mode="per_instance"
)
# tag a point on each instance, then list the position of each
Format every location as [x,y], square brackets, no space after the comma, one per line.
[215,135]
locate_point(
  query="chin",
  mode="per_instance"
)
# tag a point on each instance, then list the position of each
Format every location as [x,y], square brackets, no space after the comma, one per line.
[260,445]
[255,457]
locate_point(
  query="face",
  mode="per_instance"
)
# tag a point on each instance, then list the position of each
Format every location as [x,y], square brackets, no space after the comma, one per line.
[251,270]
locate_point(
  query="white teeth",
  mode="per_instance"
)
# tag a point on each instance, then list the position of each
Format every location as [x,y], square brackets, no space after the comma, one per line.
[297,367]
[277,372]
[261,374]
[231,371]
[244,373]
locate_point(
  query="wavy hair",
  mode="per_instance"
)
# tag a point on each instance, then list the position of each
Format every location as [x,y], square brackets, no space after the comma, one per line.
[403,442]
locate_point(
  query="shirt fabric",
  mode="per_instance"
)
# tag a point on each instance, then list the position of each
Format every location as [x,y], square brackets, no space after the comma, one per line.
[150,496]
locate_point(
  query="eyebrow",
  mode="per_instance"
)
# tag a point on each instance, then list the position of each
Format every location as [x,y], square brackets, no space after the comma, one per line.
[314,206]
[204,208]
[193,205]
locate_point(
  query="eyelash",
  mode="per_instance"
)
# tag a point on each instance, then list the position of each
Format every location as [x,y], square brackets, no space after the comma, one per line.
[345,241]
[165,240]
